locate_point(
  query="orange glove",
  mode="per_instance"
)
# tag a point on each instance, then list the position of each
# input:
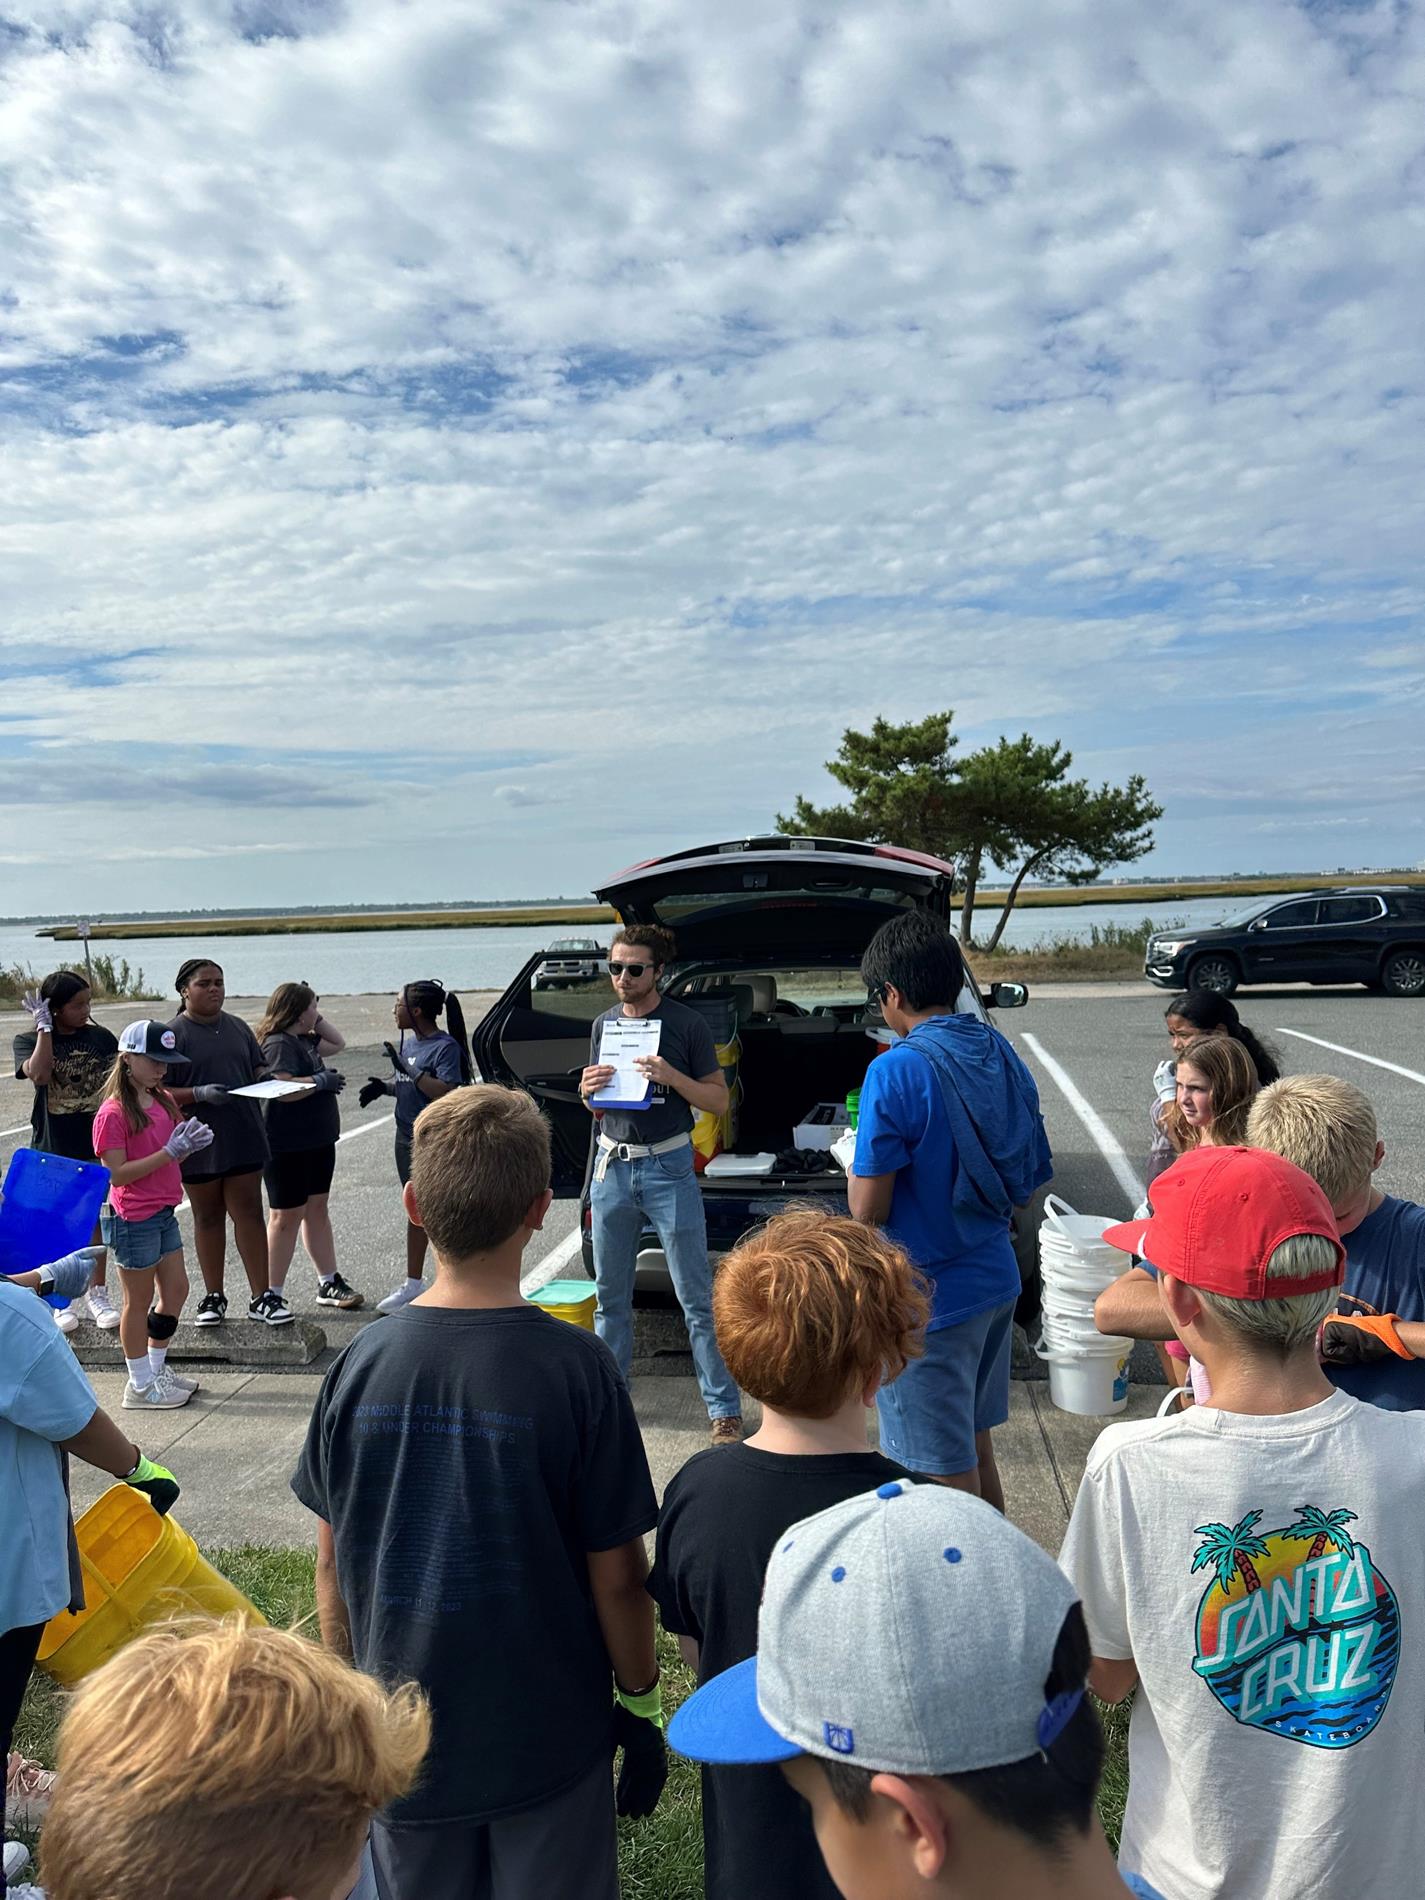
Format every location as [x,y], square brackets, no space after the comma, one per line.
[1360,1339]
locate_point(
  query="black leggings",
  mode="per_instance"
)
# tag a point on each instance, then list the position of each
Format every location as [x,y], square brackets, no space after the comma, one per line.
[18,1649]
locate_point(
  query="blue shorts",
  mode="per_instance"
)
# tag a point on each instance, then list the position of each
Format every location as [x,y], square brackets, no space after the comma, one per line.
[141,1244]
[960,1386]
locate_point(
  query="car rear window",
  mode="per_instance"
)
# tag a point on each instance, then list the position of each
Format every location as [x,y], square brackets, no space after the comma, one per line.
[1349,910]
[1409,905]
[761,885]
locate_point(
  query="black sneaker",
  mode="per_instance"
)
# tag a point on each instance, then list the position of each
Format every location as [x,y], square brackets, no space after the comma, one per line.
[212,1310]
[271,1309]
[335,1292]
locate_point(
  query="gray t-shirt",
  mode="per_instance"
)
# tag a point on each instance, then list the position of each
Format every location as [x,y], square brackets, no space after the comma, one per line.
[686,1044]
[224,1051]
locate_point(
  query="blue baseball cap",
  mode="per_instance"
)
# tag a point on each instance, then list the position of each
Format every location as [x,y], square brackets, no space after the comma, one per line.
[909,1631]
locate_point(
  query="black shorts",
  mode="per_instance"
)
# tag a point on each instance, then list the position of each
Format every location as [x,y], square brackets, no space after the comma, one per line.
[403,1158]
[292,1179]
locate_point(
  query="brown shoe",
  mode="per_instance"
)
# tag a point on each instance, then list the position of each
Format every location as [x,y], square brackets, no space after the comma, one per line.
[727,1431]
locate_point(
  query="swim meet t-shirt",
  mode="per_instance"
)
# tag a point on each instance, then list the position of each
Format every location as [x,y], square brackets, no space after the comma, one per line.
[721,1518]
[164,1187]
[1385,1273]
[298,1122]
[686,1044]
[224,1051]
[903,1129]
[82,1062]
[467,1463]
[1264,1574]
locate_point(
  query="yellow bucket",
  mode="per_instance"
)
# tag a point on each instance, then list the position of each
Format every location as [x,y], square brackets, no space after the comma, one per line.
[573,1300]
[139,1569]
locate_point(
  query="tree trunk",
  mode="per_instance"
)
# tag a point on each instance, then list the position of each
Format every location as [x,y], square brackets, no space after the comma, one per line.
[967,906]
[1318,1547]
[1013,892]
[1249,1573]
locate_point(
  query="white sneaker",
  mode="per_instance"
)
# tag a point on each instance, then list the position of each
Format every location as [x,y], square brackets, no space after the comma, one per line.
[17,1858]
[66,1320]
[407,1291]
[101,1308]
[27,1892]
[160,1396]
[177,1378]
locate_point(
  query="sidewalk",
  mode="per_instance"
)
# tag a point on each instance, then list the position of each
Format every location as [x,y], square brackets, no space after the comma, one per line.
[233,1448]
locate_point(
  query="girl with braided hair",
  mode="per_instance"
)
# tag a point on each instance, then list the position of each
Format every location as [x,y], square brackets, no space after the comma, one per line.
[429,1063]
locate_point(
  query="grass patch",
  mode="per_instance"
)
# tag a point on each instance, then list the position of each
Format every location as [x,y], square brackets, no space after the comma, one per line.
[1105,951]
[114,981]
[660,1858]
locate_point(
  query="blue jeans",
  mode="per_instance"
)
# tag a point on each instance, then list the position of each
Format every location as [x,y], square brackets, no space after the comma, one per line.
[957,1388]
[662,1189]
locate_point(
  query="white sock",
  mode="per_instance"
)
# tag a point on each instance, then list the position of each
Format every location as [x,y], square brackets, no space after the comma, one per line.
[156,1357]
[326,1278]
[277,1285]
[140,1373]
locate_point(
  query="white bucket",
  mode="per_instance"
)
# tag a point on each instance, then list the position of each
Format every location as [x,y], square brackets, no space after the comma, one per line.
[1092,1385]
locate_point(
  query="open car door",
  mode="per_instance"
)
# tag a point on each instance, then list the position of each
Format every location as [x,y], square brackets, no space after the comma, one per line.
[539,1040]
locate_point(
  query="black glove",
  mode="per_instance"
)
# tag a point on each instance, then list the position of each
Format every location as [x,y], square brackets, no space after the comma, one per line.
[645,1763]
[331,1081]
[1360,1339]
[371,1091]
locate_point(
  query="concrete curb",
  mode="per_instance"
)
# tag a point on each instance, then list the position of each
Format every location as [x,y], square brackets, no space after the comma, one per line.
[240,1344]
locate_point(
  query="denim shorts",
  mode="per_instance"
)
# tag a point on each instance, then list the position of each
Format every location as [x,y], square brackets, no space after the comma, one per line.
[141,1244]
[930,1415]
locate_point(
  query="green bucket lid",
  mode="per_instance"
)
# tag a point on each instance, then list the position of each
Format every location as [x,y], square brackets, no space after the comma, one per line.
[562,1293]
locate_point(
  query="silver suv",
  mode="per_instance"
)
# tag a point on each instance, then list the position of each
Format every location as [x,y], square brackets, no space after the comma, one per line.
[568,961]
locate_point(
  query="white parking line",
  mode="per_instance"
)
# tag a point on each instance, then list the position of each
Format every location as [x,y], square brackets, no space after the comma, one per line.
[366,1127]
[1098,1129]
[1376,1062]
[553,1263]
[13,1131]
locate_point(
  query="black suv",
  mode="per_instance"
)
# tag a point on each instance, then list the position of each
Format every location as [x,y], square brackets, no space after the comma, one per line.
[1371,935]
[770,936]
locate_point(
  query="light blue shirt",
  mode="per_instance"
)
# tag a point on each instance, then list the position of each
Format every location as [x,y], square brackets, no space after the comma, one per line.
[44,1399]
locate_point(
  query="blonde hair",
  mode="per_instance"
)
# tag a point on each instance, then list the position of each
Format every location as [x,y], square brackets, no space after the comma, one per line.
[815,1305]
[479,1157]
[224,1759]
[120,1087]
[1232,1076]
[1325,1126]
[1283,1326]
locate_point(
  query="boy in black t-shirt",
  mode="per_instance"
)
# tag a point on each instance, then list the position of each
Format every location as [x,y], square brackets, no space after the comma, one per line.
[483,1494]
[813,1312]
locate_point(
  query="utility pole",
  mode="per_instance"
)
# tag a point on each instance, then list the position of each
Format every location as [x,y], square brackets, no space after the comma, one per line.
[81,931]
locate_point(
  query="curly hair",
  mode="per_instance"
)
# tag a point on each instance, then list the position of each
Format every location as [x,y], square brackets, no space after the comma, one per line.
[661,944]
[814,1306]
[1232,1076]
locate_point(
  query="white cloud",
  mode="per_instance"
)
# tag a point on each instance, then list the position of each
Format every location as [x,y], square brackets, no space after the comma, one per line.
[655,391]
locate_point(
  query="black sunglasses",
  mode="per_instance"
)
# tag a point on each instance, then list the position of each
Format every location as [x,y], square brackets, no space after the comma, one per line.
[629,969]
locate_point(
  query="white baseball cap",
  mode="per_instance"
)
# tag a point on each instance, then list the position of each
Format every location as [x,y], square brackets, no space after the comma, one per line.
[148,1038]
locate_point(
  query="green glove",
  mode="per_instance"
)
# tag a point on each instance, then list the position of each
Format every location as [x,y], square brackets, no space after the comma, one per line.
[158,1485]
[648,1705]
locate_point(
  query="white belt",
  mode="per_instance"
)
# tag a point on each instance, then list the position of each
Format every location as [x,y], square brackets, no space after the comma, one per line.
[631,1150]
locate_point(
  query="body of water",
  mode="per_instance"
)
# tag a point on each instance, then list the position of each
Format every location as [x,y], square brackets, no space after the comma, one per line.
[349,963]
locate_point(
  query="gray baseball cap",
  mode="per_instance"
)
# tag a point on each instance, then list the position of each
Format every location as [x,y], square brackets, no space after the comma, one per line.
[910,1630]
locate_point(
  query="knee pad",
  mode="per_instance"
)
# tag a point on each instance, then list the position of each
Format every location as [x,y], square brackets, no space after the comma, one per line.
[161,1326]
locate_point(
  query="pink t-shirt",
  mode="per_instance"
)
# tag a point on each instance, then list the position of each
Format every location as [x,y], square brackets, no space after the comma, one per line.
[164,1187]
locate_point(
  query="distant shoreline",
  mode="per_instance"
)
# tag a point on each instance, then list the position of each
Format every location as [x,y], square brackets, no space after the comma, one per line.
[574,915]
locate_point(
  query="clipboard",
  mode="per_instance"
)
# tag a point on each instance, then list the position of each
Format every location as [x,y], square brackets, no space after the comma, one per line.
[622,1039]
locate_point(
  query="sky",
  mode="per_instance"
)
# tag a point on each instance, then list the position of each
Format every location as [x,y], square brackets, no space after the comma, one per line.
[456,451]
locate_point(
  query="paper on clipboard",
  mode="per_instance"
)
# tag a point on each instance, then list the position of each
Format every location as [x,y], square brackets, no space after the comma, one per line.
[273,1090]
[622,1041]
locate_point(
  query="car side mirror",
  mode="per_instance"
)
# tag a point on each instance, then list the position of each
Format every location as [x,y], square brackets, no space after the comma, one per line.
[1257,923]
[1007,996]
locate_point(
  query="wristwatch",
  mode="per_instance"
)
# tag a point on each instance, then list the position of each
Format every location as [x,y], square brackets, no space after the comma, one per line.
[46,1279]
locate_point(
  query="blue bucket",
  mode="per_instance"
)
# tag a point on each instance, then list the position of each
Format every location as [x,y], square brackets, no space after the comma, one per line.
[49,1209]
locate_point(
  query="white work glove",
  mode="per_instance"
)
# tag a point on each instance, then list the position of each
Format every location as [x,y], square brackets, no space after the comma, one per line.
[187,1138]
[38,1006]
[70,1275]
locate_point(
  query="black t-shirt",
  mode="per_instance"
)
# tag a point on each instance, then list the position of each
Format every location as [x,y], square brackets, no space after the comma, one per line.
[223,1051]
[685,1042]
[299,1121]
[722,1516]
[82,1062]
[467,1463]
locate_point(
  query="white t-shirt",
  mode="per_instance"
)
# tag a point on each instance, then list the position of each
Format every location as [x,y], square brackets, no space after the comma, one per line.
[1267,1576]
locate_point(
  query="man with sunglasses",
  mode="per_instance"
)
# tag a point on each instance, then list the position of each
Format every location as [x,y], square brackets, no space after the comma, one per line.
[643,1169]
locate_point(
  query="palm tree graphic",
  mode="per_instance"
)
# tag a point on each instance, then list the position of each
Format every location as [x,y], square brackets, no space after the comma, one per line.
[1323,1527]
[1231,1550]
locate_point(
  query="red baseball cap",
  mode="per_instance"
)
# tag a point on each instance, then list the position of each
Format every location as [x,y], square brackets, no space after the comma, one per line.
[1219,1214]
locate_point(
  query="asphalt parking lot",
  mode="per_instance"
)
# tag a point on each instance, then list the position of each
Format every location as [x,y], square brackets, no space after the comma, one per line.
[1092,1049]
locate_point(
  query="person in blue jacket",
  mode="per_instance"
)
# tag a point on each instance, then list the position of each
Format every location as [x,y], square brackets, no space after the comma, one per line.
[949,1141]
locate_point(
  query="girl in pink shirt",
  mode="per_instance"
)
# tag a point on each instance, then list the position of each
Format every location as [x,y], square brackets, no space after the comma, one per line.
[141,1137]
